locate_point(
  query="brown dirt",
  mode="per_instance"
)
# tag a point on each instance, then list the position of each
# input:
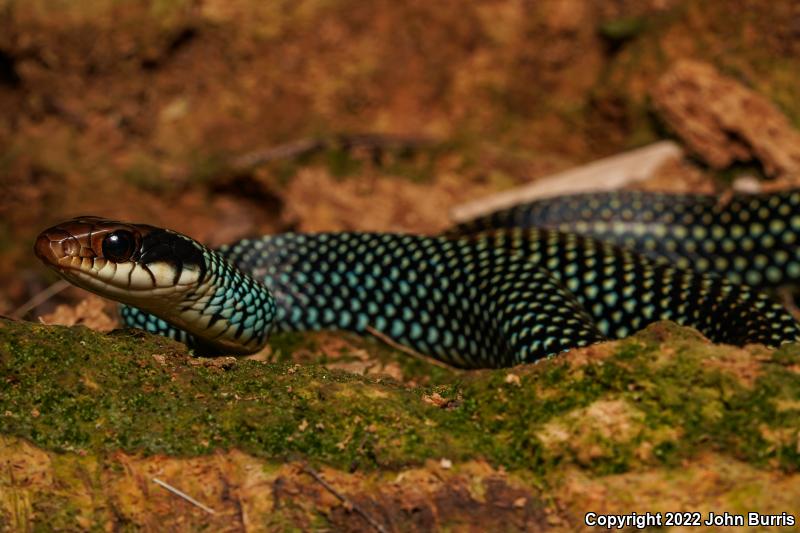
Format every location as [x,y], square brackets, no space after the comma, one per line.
[136,110]
[91,312]
[680,177]
[317,202]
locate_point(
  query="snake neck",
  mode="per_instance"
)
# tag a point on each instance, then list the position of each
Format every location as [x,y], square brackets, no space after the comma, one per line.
[229,310]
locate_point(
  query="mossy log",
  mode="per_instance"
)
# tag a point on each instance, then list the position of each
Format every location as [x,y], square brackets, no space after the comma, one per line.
[87,420]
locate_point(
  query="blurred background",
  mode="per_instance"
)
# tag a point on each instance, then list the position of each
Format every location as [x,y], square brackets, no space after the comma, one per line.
[229,118]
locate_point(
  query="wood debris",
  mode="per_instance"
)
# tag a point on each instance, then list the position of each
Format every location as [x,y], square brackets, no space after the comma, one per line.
[724,122]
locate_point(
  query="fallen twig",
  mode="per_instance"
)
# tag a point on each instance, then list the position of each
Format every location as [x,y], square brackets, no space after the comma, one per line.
[786,298]
[183,495]
[305,146]
[281,151]
[605,174]
[405,349]
[342,498]
[40,298]
[381,141]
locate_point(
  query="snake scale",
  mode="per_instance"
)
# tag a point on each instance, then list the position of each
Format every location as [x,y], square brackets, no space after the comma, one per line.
[509,288]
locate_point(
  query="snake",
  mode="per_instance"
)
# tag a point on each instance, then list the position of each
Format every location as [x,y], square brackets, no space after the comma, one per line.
[513,287]
[748,238]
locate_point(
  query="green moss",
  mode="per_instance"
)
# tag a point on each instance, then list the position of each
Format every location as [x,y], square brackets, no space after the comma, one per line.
[7,158]
[419,370]
[341,162]
[168,12]
[6,234]
[737,170]
[145,173]
[204,167]
[75,389]
[622,29]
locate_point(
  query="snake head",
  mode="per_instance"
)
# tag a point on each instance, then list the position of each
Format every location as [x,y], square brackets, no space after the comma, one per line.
[166,274]
[132,263]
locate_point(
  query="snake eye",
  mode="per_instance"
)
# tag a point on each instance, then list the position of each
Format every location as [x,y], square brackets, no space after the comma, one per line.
[119,246]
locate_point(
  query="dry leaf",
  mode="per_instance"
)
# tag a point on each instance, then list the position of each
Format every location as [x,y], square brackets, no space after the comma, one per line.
[90,312]
[435,399]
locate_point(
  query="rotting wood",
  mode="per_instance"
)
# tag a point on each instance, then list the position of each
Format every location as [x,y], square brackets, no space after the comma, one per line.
[344,499]
[724,122]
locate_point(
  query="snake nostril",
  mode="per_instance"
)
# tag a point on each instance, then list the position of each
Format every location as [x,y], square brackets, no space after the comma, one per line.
[51,246]
[70,246]
[42,248]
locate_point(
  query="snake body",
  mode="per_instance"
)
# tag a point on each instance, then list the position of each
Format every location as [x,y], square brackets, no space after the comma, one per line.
[748,238]
[492,295]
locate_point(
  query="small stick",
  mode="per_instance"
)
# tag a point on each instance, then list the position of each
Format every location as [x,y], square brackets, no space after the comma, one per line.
[601,175]
[183,495]
[40,298]
[342,498]
[405,349]
[384,141]
[786,298]
[282,151]
[309,145]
